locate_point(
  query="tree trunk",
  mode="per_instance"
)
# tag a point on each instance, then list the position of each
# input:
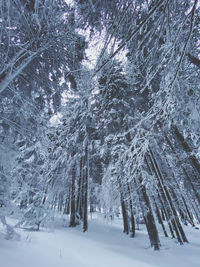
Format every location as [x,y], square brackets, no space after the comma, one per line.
[187,148]
[73,207]
[166,193]
[184,170]
[79,193]
[123,207]
[149,219]
[131,208]
[160,218]
[85,204]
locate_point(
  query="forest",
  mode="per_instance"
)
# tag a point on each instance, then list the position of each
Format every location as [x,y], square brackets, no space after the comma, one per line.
[100,113]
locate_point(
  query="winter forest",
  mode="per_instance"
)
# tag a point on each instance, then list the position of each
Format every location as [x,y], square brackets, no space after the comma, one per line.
[100,131]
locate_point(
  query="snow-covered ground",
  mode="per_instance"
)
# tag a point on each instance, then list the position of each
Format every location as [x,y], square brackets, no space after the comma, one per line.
[104,245]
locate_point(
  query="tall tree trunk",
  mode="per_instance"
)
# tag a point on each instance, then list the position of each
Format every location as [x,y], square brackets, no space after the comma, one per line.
[73,207]
[186,216]
[184,170]
[79,193]
[166,215]
[187,148]
[166,193]
[123,207]
[160,218]
[131,211]
[149,219]
[85,204]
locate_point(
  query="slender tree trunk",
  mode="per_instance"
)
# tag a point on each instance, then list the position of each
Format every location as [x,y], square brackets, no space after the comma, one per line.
[166,215]
[73,207]
[149,219]
[85,204]
[184,170]
[186,216]
[123,207]
[160,218]
[67,206]
[79,193]
[166,193]
[187,148]
[131,208]
[194,208]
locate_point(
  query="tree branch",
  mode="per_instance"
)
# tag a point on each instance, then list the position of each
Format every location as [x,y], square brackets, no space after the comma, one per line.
[131,35]
[194,60]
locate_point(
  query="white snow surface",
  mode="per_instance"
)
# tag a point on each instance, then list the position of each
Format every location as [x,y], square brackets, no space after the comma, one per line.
[104,245]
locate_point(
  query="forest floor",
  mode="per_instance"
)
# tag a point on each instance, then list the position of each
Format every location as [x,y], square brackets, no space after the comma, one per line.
[104,245]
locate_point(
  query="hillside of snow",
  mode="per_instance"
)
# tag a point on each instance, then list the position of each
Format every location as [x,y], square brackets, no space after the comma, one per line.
[104,245]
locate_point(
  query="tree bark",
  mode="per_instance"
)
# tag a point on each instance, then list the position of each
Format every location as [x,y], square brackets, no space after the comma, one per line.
[149,219]
[85,204]
[123,207]
[73,207]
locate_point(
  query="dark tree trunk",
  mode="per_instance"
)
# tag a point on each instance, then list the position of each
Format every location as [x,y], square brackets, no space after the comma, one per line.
[166,215]
[44,197]
[67,205]
[184,170]
[175,221]
[195,209]
[125,217]
[85,204]
[163,215]
[187,148]
[131,208]
[160,218]
[79,193]
[73,207]
[149,219]
[123,206]
[184,212]
[192,185]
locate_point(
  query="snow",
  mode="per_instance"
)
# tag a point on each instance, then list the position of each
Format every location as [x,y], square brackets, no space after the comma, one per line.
[104,245]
